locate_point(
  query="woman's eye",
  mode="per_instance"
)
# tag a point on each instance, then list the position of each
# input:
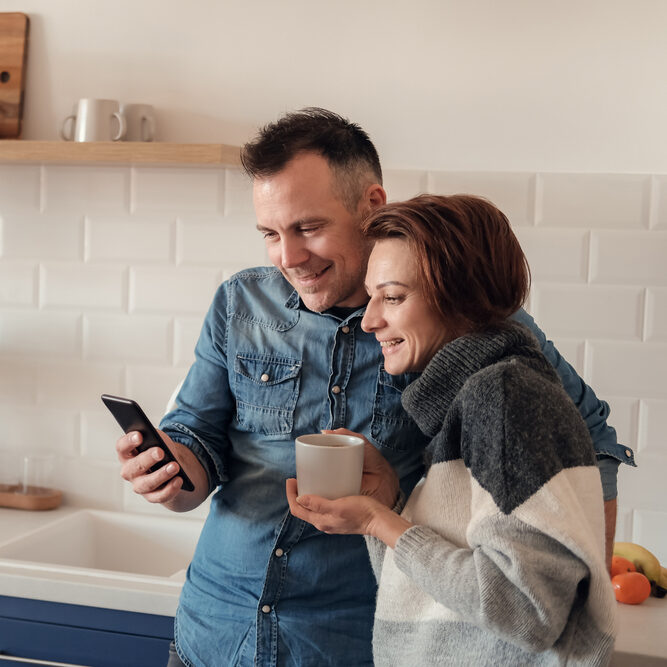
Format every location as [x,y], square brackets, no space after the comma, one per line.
[392,299]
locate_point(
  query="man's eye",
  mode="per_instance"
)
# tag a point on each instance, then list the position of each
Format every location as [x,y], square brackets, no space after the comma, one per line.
[269,236]
[308,230]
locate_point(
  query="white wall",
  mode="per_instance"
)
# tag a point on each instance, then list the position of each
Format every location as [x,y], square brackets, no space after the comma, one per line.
[441,84]
[105,272]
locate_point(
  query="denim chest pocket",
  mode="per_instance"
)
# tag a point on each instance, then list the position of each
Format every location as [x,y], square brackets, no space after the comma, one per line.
[266,388]
[391,427]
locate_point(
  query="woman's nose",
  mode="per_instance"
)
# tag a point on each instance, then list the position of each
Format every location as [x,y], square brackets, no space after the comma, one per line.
[371,319]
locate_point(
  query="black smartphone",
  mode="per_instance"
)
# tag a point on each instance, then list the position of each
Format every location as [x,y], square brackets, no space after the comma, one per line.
[132,418]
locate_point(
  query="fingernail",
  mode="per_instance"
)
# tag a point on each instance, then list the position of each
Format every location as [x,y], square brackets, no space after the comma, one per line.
[171,467]
[157,454]
[135,438]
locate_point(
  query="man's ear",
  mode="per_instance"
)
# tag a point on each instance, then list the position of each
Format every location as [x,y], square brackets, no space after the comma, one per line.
[375,196]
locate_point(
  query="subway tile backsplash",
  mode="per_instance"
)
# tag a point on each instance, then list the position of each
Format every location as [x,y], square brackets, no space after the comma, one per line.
[512,193]
[629,258]
[612,201]
[106,273]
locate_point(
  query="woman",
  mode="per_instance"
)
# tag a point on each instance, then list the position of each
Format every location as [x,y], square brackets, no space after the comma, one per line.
[497,557]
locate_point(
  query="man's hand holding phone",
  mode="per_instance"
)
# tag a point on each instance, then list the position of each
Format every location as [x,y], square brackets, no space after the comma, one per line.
[159,469]
[162,485]
[156,486]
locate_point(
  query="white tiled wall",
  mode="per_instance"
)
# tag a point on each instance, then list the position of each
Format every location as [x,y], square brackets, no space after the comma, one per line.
[106,273]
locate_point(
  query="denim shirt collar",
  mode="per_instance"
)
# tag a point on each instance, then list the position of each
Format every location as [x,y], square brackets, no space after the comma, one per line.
[294,302]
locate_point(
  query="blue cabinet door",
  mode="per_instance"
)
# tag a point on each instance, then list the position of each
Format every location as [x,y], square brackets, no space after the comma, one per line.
[81,635]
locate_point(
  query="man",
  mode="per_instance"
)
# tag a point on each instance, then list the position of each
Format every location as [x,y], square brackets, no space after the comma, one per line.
[282,353]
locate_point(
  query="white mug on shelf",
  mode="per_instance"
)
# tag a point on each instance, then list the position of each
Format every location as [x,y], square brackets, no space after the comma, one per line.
[94,121]
[140,120]
[67,128]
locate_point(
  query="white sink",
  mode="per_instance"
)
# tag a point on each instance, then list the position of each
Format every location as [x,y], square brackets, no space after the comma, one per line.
[110,541]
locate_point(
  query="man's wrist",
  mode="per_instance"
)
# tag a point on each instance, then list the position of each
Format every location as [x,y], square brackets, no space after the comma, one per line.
[610,508]
[608,466]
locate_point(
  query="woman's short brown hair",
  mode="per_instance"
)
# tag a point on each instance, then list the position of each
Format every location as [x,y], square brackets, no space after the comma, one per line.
[473,271]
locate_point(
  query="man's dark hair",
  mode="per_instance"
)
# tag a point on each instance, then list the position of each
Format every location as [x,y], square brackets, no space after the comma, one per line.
[344,145]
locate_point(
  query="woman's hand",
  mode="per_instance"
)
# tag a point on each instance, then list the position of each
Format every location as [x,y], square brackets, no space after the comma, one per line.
[349,515]
[358,515]
[378,481]
[367,514]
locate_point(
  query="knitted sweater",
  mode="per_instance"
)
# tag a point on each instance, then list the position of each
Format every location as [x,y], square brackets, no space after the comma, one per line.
[505,565]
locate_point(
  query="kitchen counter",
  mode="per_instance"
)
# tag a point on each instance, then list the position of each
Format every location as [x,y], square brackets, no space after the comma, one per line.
[642,629]
[642,634]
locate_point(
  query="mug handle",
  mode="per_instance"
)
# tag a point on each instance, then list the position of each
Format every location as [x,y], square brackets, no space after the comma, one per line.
[150,126]
[63,134]
[122,127]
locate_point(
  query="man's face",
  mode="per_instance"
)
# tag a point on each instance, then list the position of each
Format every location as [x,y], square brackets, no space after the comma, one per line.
[311,236]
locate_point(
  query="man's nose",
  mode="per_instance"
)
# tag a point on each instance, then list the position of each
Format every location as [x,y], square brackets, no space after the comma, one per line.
[293,253]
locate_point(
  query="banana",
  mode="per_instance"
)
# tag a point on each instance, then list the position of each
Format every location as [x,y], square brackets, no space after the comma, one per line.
[663,577]
[643,559]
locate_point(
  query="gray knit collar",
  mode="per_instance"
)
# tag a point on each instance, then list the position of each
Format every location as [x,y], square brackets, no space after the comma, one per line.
[428,398]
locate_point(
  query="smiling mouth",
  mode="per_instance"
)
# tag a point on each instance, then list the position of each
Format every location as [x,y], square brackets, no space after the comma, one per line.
[310,278]
[390,343]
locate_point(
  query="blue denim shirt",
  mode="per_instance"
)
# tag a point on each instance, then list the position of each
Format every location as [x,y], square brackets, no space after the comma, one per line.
[263,587]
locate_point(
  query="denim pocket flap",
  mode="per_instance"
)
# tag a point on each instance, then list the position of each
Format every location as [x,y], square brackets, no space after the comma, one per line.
[266,389]
[266,370]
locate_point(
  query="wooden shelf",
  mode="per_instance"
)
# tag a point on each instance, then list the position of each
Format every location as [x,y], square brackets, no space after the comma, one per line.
[121,152]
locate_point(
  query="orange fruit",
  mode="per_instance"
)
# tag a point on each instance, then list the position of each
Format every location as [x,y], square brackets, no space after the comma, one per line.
[631,587]
[619,565]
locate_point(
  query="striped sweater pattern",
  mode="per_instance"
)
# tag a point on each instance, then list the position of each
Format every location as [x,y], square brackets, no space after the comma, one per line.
[505,562]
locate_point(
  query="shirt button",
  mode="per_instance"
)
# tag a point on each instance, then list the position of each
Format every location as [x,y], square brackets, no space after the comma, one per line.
[266,608]
[279,552]
[345,329]
[335,389]
[264,377]
[628,453]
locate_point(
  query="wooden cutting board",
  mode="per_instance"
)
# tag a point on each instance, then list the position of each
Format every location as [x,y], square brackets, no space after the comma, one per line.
[13,55]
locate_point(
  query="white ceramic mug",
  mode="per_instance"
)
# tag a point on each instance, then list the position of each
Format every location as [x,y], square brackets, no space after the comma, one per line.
[67,128]
[94,121]
[140,120]
[329,465]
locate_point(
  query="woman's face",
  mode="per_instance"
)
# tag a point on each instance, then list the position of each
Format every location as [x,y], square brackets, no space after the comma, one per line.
[407,328]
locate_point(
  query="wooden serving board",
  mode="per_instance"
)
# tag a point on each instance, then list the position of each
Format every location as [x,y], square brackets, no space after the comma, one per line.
[33,498]
[13,55]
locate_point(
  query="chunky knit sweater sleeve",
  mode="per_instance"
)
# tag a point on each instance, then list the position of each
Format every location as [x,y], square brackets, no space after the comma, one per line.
[377,548]
[509,531]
